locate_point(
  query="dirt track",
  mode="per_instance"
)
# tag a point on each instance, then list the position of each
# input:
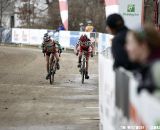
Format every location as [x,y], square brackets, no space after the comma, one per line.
[28,102]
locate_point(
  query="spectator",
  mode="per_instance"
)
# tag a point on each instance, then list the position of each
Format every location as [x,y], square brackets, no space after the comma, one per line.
[143,46]
[82,27]
[61,27]
[115,26]
[90,27]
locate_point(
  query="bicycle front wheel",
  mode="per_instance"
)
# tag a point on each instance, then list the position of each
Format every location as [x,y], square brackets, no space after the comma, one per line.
[52,78]
[83,71]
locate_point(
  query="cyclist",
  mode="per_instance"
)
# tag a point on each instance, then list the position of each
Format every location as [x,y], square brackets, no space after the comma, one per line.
[84,44]
[51,48]
[90,27]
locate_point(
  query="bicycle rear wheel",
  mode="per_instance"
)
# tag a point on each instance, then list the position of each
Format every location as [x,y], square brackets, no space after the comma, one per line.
[52,78]
[52,72]
[83,71]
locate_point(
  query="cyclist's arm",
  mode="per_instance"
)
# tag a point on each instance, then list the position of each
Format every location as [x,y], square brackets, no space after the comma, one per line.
[59,45]
[77,44]
[43,47]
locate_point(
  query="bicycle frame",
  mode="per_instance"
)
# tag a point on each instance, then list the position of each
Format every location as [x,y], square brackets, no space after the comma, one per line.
[52,68]
[83,65]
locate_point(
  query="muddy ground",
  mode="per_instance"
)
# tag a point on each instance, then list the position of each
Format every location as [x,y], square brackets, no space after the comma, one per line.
[29,102]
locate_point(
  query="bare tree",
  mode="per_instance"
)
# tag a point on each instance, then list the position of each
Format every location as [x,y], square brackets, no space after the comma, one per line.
[30,14]
[79,11]
[4,4]
[82,10]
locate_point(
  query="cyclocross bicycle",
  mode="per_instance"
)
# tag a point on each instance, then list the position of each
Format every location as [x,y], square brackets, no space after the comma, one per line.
[52,68]
[83,65]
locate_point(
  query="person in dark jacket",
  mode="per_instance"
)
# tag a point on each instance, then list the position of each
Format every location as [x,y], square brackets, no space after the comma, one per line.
[61,27]
[115,26]
[143,47]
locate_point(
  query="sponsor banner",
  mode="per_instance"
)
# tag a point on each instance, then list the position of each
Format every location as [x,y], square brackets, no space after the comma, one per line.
[131,10]
[28,36]
[20,35]
[36,36]
[70,38]
[67,39]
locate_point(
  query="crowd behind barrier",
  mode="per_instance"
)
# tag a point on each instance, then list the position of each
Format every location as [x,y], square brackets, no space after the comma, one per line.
[121,107]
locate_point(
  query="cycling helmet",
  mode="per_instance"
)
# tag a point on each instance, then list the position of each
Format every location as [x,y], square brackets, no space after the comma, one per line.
[46,37]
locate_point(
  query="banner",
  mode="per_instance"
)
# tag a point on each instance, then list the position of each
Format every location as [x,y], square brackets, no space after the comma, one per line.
[28,36]
[111,6]
[69,39]
[63,5]
[132,12]
[20,35]
[36,36]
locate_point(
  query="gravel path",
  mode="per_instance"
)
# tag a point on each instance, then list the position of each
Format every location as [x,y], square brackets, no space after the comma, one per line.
[29,102]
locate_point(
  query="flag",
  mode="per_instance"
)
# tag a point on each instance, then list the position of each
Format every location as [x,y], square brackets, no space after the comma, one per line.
[111,6]
[111,2]
[63,5]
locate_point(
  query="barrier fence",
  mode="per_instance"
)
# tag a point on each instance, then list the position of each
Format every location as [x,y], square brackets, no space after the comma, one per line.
[5,35]
[67,39]
[121,107]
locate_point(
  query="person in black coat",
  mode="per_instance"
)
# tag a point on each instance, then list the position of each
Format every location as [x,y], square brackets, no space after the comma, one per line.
[115,26]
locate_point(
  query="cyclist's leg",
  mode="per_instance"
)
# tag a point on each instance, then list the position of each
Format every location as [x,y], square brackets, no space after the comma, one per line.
[47,64]
[57,59]
[51,59]
[87,65]
[77,49]
[80,57]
